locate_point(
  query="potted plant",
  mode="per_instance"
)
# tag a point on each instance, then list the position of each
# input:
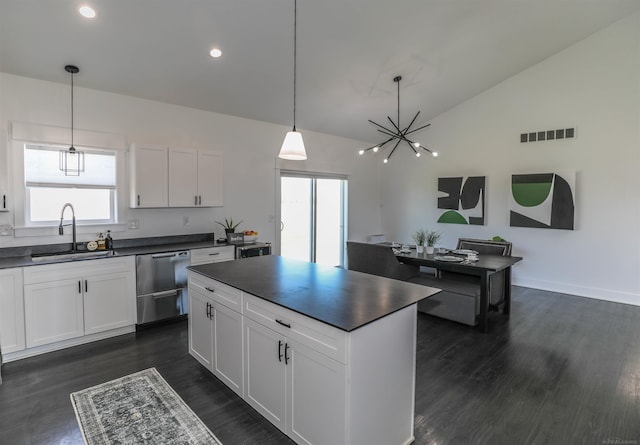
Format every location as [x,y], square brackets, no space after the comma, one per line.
[229,226]
[432,239]
[419,237]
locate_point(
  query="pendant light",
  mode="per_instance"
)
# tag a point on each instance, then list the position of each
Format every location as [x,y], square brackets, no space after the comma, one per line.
[293,146]
[397,134]
[71,161]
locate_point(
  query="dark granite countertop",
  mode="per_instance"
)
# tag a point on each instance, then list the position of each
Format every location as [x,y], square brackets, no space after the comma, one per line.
[22,255]
[341,298]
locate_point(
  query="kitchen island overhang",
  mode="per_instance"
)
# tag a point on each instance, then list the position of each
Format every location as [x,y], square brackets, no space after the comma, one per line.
[326,354]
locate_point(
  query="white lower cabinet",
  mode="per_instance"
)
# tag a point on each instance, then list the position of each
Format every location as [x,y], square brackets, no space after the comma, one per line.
[11,311]
[215,331]
[299,390]
[69,300]
[316,383]
[53,311]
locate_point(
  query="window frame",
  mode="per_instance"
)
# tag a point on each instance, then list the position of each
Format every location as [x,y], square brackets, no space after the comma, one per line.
[22,133]
[113,204]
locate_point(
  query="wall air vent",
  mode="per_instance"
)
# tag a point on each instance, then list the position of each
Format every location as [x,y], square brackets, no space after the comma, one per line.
[548,135]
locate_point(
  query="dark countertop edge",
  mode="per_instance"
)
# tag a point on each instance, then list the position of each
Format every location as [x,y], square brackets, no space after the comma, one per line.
[25,261]
[341,328]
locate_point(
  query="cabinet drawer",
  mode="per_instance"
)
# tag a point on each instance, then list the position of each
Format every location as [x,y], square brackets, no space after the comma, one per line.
[319,336]
[212,255]
[219,292]
[79,268]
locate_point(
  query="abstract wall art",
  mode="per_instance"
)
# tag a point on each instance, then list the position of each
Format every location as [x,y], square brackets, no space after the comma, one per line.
[542,200]
[462,199]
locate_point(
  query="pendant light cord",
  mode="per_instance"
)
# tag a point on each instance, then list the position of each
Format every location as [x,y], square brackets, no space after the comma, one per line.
[398,82]
[72,147]
[295,28]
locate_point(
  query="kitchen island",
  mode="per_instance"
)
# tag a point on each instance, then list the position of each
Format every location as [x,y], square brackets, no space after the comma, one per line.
[326,354]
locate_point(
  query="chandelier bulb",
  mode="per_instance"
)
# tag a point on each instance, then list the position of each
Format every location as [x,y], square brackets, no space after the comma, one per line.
[361,152]
[385,160]
[435,154]
[375,149]
[416,144]
[417,155]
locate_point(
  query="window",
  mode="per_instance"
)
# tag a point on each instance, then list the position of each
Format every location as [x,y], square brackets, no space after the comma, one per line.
[92,194]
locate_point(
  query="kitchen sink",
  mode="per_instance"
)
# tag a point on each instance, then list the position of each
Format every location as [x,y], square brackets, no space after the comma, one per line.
[66,256]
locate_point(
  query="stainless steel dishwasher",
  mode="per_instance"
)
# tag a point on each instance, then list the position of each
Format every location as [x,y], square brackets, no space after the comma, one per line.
[161,286]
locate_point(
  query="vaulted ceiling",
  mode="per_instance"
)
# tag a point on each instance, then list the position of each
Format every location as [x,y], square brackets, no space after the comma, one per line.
[348,52]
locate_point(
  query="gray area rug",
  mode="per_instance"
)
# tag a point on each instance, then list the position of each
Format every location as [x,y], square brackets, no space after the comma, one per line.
[139,408]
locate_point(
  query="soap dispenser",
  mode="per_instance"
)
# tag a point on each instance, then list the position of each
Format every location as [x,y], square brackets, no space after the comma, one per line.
[108,241]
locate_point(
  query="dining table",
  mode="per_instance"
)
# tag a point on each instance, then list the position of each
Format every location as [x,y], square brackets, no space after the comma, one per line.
[483,266]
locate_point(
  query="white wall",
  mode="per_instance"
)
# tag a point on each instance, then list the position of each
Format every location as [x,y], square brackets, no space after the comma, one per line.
[250,149]
[593,86]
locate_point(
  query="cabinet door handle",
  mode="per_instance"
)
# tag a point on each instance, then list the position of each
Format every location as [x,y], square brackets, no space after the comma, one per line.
[86,285]
[195,200]
[209,289]
[286,325]
[286,353]
[199,200]
[280,350]
[214,254]
[138,199]
[209,310]
[4,201]
[79,286]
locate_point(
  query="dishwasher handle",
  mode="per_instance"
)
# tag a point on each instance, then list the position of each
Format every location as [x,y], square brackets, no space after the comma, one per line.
[166,293]
[170,254]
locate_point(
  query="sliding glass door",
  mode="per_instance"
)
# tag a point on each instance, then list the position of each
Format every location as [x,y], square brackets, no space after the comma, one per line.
[312,214]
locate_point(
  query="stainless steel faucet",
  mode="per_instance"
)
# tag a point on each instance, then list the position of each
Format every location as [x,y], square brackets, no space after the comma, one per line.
[74,246]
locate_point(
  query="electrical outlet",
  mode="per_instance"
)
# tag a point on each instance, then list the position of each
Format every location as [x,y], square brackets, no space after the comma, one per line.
[186,220]
[134,224]
[5,229]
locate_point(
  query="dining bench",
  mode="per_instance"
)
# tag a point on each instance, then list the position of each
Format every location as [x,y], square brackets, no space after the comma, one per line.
[460,299]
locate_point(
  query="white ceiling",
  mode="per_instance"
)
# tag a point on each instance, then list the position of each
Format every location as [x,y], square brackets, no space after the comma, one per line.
[348,52]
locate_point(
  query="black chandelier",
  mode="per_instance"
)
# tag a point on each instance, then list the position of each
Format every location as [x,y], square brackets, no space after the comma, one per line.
[397,134]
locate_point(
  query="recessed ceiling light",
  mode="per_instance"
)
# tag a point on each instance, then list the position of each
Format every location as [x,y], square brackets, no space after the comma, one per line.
[215,53]
[87,11]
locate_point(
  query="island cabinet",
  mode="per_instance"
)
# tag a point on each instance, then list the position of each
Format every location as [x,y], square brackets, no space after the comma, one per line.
[11,311]
[296,373]
[68,300]
[216,329]
[318,382]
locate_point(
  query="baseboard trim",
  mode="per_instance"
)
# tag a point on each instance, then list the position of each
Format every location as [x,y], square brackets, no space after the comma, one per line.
[32,352]
[581,291]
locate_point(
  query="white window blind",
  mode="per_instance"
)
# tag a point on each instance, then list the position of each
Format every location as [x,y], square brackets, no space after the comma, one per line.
[41,169]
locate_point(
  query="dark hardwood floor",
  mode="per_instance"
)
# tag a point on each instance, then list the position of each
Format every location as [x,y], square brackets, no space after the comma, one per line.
[561,370]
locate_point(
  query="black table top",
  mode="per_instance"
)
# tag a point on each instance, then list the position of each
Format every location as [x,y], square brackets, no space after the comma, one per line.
[341,298]
[491,263]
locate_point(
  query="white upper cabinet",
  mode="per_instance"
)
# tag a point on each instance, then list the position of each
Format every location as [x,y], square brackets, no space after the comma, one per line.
[175,177]
[195,178]
[148,176]
[210,178]
[183,178]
